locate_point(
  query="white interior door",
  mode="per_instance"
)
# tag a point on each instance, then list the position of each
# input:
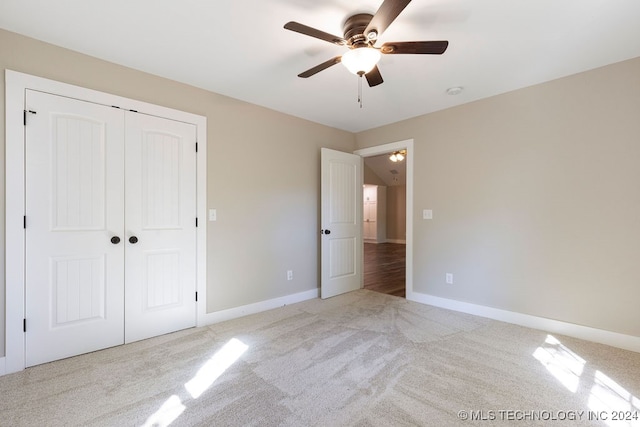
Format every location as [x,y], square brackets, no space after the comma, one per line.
[74,208]
[160,237]
[341,219]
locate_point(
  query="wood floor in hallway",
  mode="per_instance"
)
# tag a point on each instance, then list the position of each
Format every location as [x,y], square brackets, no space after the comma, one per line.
[384,268]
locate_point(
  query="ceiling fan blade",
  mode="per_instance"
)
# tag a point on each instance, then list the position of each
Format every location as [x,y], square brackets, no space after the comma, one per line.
[312,32]
[430,47]
[374,78]
[387,13]
[311,71]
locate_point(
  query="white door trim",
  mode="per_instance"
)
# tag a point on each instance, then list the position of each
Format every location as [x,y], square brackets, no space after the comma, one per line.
[386,148]
[15,86]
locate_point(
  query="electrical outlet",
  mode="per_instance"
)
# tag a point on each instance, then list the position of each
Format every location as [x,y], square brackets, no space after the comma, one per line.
[427,214]
[289,274]
[449,278]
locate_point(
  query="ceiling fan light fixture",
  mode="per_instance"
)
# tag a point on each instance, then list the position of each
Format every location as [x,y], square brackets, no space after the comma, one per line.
[361,60]
[397,156]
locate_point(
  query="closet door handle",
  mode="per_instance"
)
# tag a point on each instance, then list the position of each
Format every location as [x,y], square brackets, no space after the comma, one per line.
[133,240]
[115,240]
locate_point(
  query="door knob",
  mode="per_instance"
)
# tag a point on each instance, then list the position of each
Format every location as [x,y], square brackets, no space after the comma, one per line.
[133,240]
[115,240]
[327,231]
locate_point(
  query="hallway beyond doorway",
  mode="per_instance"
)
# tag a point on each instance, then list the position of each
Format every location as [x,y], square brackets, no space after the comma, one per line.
[384,268]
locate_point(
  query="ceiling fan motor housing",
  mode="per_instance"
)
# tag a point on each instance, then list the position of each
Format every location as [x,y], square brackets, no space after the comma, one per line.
[354,28]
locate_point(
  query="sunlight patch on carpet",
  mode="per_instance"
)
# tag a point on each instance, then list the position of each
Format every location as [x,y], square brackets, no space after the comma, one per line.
[168,412]
[608,401]
[216,366]
[563,363]
[609,397]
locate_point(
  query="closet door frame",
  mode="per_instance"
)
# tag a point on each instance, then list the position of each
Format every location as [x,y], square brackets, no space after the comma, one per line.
[16,113]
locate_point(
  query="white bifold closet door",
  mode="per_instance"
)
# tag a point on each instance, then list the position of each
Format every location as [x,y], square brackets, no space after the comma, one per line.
[109,225]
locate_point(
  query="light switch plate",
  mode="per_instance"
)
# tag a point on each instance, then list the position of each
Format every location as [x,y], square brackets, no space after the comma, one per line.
[427,214]
[213,216]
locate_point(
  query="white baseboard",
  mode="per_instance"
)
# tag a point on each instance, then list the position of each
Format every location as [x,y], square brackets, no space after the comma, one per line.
[2,366]
[614,339]
[245,310]
[401,242]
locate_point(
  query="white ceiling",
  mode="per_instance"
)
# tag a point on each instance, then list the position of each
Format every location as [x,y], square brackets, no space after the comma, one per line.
[239,48]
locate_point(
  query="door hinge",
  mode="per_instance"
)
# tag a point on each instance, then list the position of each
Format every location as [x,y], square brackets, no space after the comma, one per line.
[24,115]
[196,146]
[196,297]
[24,221]
[196,221]
[24,325]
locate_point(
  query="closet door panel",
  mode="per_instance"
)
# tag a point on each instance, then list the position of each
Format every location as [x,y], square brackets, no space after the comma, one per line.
[74,207]
[160,226]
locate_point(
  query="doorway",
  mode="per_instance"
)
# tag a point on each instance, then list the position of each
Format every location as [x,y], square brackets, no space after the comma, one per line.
[388,255]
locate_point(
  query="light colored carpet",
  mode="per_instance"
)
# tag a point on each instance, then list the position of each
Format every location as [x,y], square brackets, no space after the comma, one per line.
[361,359]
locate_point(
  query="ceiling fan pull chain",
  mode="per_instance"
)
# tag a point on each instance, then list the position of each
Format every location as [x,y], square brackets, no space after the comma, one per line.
[360,89]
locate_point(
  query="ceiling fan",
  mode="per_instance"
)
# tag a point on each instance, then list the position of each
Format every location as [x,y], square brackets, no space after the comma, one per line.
[361,32]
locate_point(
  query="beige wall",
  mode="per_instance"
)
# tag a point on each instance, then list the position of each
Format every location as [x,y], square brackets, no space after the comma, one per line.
[535,197]
[396,212]
[267,203]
